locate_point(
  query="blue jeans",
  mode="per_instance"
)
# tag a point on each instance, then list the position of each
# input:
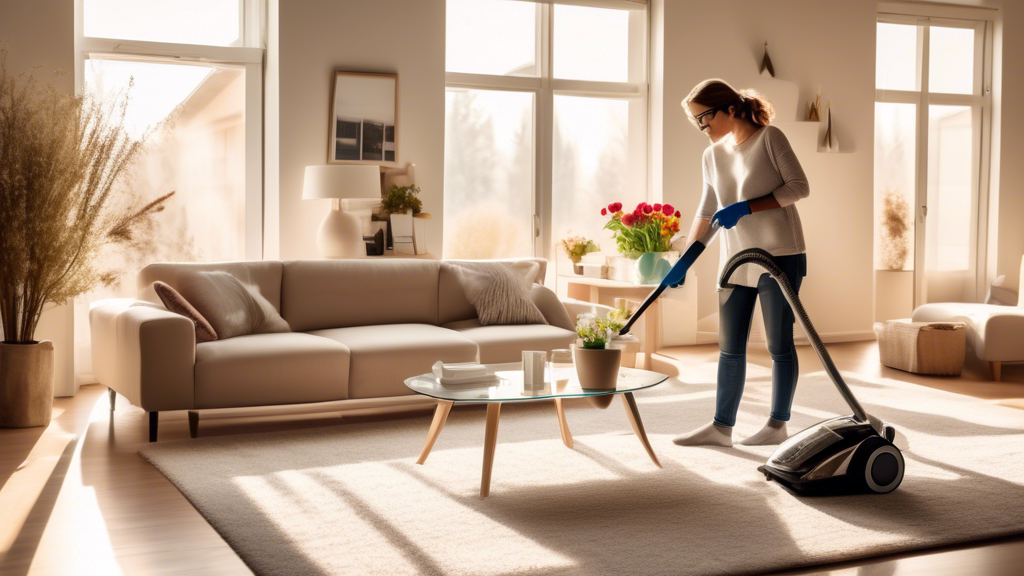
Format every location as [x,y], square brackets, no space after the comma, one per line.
[736,309]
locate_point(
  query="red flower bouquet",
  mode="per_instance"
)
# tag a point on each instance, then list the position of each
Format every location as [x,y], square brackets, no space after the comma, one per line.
[648,228]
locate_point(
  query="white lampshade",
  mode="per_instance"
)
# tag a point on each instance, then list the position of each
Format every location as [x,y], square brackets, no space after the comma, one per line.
[341,181]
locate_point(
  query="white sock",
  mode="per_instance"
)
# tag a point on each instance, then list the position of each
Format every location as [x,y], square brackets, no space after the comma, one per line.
[774,432]
[710,434]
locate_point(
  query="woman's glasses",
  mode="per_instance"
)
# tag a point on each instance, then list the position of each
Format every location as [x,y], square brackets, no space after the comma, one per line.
[709,114]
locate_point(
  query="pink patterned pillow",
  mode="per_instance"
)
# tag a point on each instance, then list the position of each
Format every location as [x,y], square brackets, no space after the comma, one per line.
[176,303]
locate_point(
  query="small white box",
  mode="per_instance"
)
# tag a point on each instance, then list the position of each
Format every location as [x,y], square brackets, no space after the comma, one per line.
[594,270]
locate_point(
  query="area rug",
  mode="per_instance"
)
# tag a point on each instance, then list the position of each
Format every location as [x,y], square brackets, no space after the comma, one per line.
[350,499]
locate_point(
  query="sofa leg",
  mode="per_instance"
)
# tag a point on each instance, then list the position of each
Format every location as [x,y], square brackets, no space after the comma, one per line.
[113,398]
[193,423]
[997,370]
[154,420]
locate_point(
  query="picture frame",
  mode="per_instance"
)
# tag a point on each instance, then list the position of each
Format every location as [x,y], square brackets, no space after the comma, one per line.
[363,119]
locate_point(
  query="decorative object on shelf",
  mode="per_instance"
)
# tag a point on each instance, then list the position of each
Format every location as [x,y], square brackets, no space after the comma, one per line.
[766,63]
[375,243]
[645,235]
[378,229]
[814,114]
[597,366]
[830,143]
[895,230]
[401,198]
[341,233]
[620,268]
[65,198]
[401,204]
[419,232]
[576,247]
[652,267]
[591,269]
[364,112]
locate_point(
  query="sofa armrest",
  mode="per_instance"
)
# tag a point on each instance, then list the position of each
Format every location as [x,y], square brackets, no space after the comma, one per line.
[145,353]
[1000,293]
[577,307]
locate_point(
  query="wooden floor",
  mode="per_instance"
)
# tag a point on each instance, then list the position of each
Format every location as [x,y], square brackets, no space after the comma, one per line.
[76,498]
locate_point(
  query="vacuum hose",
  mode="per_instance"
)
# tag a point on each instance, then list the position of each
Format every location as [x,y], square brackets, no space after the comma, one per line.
[765,260]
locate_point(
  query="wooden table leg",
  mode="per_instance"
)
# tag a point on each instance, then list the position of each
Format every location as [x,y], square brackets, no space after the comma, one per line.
[440,417]
[490,439]
[563,425]
[638,425]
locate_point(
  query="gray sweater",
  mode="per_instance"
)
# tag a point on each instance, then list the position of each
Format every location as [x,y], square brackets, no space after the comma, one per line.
[762,164]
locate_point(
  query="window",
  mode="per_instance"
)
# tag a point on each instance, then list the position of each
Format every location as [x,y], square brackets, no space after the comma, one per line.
[194,67]
[931,113]
[545,123]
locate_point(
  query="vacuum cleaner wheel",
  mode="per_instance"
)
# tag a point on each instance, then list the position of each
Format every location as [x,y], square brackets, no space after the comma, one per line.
[877,466]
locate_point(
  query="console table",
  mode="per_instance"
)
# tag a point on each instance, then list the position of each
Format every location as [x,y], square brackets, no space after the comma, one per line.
[680,303]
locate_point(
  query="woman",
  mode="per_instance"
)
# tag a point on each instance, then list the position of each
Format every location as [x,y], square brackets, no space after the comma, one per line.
[753,179]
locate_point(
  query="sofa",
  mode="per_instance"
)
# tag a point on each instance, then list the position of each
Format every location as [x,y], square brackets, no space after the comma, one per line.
[995,332]
[359,329]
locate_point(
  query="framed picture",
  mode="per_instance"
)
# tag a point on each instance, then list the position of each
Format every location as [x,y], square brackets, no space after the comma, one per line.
[364,114]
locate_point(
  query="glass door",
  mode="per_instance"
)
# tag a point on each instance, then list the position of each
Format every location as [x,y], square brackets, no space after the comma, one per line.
[929,110]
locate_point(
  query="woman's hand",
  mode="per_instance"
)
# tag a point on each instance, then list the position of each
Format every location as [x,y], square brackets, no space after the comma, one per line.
[728,217]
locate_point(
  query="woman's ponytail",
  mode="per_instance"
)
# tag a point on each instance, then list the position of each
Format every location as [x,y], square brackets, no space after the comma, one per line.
[758,109]
[717,93]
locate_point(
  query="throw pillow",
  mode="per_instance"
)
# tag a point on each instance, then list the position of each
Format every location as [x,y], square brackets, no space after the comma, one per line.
[233,308]
[528,270]
[176,303]
[551,307]
[498,292]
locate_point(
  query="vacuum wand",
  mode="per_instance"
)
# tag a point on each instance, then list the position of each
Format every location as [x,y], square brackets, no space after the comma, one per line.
[676,275]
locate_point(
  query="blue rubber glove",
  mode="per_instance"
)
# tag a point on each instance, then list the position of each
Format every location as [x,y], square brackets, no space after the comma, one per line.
[728,217]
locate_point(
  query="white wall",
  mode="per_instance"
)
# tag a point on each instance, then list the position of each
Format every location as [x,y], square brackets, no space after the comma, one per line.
[41,33]
[310,41]
[1007,202]
[828,43]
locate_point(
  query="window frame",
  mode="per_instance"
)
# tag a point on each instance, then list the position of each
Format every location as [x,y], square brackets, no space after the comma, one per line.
[249,56]
[980,102]
[545,87]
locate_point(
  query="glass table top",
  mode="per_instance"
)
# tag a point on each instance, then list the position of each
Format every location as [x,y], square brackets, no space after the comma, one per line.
[560,382]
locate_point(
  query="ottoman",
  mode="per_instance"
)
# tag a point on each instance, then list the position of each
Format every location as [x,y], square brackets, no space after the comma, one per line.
[923,347]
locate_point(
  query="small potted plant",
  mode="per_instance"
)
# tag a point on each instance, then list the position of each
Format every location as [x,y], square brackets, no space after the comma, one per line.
[644,235]
[401,203]
[576,247]
[597,366]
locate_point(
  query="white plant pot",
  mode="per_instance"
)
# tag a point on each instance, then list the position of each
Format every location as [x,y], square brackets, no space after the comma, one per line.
[402,233]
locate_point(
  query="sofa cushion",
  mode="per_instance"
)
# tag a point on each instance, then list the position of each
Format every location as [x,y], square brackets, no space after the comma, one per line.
[232,307]
[506,343]
[995,332]
[177,303]
[320,294]
[454,305]
[384,356]
[551,307]
[268,369]
[499,293]
[264,275]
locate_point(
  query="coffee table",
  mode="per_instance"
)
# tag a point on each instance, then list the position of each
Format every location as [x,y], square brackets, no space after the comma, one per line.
[509,388]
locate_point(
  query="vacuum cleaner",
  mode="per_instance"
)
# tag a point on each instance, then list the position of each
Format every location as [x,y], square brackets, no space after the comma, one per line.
[843,455]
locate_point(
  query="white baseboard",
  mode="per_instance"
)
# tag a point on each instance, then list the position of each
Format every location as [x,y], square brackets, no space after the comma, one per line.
[836,337]
[800,339]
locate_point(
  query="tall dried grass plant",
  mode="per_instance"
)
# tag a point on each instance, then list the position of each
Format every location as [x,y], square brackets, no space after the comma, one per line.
[895,230]
[65,196]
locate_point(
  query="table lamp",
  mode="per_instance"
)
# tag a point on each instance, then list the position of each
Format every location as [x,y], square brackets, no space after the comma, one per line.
[340,234]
